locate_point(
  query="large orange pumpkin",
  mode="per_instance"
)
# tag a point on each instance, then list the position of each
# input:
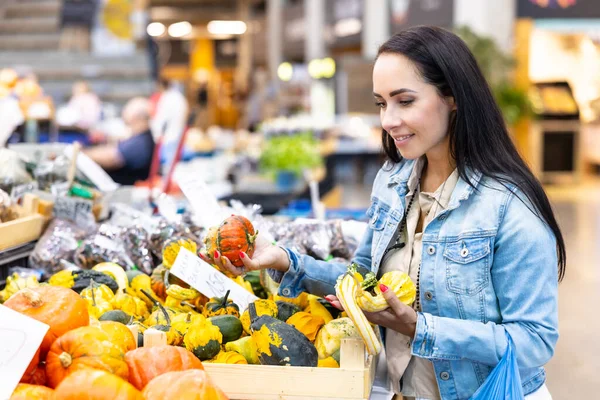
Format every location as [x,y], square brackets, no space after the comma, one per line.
[31,392]
[192,384]
[82,348]
[146,363]
[235,234]
[119,334]
[60,308]
[93,384]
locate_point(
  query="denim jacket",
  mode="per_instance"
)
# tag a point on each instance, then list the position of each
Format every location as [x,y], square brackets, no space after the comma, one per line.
[489,265]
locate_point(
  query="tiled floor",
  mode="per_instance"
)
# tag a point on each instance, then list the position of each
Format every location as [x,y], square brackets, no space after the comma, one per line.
[572,371]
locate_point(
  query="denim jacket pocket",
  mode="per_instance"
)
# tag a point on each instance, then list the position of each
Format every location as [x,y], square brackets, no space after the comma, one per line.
[467,265]
[377,214]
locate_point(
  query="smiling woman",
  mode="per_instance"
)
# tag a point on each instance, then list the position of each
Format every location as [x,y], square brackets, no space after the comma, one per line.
[457,209]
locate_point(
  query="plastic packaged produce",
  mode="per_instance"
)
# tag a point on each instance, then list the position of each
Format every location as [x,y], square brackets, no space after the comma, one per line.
[106,245]
[59,242]
[12,171]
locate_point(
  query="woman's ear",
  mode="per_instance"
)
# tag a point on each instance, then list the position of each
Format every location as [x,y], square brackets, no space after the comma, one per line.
[451,103]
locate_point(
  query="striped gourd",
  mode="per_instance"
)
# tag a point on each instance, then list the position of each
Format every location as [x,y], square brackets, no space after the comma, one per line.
[347,289]
[399,282]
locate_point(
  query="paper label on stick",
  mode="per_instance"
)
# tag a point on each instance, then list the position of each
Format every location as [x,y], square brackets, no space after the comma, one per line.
[60,189]
[18,191]
[20,337]
[208,280]
[202,199]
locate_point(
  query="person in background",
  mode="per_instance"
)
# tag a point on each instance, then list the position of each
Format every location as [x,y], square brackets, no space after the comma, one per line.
[171,113]
[86,105]
[129,160]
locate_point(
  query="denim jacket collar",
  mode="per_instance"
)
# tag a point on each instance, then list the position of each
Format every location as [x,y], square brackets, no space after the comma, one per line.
[401,173]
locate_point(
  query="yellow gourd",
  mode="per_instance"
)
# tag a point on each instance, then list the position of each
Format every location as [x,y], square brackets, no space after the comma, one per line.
[182,322]
[306,323]
[263,307]
[301,301]
[203,339]
[329,338]
[328,362]
[62,278]
[399,282]
[318,309]
[228,357]
[100,291]
[347,289]
[130,305]
[246,347]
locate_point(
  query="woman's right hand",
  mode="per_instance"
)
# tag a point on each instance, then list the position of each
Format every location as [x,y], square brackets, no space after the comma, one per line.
[266,256]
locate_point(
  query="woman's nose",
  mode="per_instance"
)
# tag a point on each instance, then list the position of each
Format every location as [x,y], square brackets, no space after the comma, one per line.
[390,120]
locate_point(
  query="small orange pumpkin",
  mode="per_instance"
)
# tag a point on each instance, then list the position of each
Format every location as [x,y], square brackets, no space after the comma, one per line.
[60,308]
[82,348]
[119,334]
[176,386]
[93,384]
[158,284]
[146,363]
[235,234]
[25,391]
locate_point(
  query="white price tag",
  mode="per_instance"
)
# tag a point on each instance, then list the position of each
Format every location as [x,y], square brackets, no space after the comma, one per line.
[59,189]
[74,209]
[18,191]
[202,199]
[208,280]
[20,337]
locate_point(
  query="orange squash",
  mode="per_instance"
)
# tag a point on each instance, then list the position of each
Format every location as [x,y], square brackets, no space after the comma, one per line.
[82,348]
[146,363]
[60,308]
[25,391]
[176,386]
[158,284]
[119,334]
[93,384]
[37,376]
[235,234]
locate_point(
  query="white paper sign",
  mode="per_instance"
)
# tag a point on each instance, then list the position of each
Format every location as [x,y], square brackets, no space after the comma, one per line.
[203,201]
[74,209]
[18,191]
[20,337]
[92,171]
[208,280]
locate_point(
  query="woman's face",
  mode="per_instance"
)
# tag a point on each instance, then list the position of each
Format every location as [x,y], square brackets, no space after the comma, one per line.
[412,111]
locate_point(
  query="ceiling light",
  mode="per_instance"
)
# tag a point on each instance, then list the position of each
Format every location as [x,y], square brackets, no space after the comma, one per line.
[180,29]
[226,27]
[347,27]
[156,29]
[285,71]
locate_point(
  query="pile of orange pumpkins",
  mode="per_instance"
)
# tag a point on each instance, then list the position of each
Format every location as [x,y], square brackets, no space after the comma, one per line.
[99,359]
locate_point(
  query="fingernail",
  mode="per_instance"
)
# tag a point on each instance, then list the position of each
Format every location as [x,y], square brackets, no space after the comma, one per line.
[216,254]
[242,254]
[383,288]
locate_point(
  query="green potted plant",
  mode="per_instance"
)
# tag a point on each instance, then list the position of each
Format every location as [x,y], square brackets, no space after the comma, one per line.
[497,67]
[286,157]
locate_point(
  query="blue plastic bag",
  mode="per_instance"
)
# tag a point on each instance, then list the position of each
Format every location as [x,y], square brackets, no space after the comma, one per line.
[504,382]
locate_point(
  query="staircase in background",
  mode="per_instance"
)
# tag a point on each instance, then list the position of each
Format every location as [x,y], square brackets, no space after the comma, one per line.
[29,42]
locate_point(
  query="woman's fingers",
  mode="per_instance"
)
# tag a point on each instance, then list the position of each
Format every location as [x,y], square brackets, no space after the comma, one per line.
[249,263]
[333,300]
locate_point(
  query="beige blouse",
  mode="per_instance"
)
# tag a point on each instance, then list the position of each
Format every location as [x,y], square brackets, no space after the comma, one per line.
[417,374]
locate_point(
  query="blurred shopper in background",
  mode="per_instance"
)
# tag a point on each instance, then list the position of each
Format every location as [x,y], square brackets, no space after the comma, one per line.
[77,18]
[171,113]
[129,160]
[85,106]
[458,210]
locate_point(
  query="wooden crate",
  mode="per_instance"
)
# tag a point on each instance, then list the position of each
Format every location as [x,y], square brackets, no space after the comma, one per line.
[352,381]
[29,226]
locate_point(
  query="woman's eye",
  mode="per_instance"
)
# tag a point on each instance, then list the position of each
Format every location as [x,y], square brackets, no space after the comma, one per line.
[380,104]
[405,102]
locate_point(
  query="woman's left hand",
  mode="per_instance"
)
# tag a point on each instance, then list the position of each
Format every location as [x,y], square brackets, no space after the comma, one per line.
[398,317]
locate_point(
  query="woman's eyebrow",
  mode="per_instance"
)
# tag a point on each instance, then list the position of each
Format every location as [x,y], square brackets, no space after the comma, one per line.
[396,92]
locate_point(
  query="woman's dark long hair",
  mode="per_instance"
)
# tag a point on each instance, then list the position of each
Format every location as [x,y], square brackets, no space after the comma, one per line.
[478,135]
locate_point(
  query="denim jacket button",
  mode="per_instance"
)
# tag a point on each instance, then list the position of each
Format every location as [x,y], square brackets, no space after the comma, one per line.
[431,250]
[428,295]
[286,292]
[442,217]
[464,252]
[445,376]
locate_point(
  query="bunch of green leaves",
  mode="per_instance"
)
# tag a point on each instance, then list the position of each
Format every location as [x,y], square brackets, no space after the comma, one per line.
[293,153]
[497,68]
